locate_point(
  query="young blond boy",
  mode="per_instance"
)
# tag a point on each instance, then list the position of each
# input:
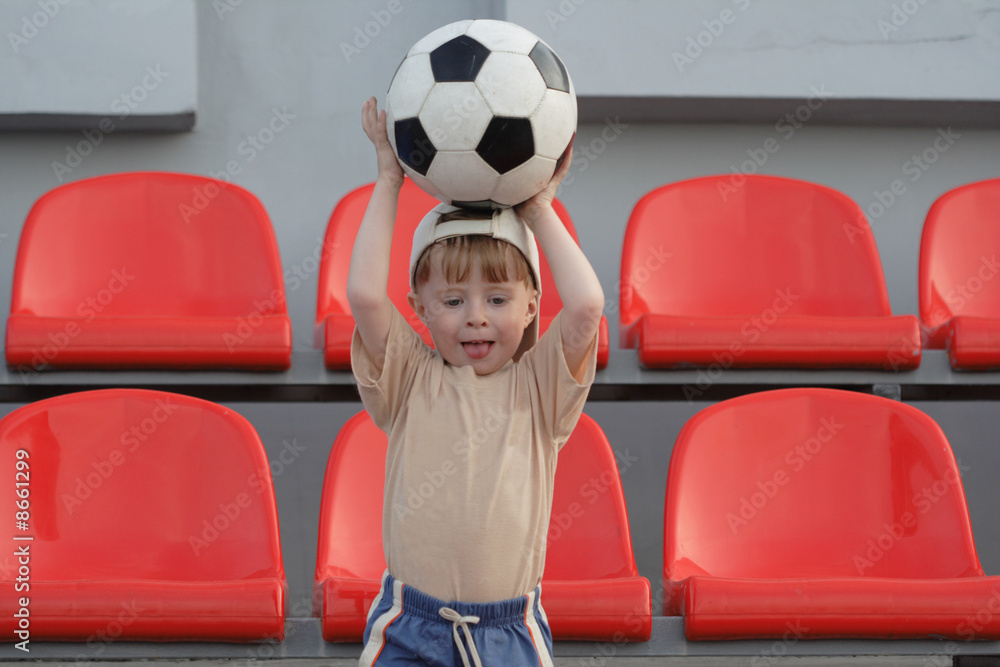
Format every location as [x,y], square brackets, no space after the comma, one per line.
[474,425]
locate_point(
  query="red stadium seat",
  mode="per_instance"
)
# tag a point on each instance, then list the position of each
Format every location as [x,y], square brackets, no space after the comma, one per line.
[959,295]
[772,272]
[151,517]
[591,589]
[148,270]
[822,513]
[334,323]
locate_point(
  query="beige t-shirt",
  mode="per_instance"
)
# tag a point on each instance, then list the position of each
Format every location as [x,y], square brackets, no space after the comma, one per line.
[471,462]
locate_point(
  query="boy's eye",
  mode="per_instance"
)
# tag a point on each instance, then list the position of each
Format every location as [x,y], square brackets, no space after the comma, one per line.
[498,300]
[452,302]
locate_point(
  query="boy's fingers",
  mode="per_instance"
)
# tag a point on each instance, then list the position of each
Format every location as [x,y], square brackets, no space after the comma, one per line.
[564,167]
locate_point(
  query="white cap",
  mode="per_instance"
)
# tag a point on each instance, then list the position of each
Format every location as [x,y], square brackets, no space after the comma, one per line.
[504,225]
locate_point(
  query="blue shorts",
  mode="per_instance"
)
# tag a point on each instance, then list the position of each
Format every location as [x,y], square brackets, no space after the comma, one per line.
[408,627]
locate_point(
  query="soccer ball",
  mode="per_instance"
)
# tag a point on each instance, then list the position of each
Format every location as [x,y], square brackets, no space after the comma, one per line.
[481,113]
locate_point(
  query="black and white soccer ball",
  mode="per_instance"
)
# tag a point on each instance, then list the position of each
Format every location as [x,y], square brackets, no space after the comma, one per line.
[481,113]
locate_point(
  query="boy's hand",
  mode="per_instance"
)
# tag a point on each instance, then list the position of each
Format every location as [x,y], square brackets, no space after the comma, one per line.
[373,122]
[576,282]
[532,209]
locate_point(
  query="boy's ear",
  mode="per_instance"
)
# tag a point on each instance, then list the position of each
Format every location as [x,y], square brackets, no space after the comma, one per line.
[417,305]
[532,308]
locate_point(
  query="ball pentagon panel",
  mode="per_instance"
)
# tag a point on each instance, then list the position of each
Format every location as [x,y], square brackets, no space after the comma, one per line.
[550,67]
[414,147]
[436,38]
[458,59]
[507,143]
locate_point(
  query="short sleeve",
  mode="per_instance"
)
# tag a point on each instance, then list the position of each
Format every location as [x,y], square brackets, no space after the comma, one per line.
[384,383]
[560,398]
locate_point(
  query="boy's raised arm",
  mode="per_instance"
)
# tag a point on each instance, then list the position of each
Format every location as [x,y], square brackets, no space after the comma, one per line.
[368,277]
[579,288]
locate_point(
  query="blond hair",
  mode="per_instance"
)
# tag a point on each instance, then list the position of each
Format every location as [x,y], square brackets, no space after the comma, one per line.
[497,259]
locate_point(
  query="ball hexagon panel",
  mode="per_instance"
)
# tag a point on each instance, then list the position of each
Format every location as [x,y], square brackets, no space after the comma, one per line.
[410,87]
[506,143]
[510,84]
[424,184]
[533,176]
[502,36]
[462,176]
[434,39]
[458,59]
[554,123]
[455,116]
[551,67]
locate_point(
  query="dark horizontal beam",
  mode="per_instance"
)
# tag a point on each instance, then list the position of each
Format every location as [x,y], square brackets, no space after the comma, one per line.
[304,641]
[859,112]
[623,380]
[106,123]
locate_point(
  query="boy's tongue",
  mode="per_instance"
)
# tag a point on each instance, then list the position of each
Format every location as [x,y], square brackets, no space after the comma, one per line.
[477,350]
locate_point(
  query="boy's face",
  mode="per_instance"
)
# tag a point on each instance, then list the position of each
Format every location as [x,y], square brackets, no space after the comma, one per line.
[475,323]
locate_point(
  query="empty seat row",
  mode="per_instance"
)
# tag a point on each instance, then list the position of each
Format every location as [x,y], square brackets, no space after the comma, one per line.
[779,272]
[834,513]
[159,270]
[161,506]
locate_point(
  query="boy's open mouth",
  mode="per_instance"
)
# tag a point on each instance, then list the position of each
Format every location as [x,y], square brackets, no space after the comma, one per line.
[477,349]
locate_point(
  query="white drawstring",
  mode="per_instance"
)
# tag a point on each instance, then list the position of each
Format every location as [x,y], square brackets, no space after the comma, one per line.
[457,620]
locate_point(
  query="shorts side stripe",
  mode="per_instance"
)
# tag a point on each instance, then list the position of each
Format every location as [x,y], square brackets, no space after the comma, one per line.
[544,659]
[378,598]
[376,640]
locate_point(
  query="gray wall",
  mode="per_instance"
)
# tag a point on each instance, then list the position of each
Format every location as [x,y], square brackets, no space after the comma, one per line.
[297,60]
[773,48]
[73,63]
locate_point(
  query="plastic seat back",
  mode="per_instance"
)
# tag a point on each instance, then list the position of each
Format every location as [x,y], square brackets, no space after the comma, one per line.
[148,251]
[350,522]
[591,588]
[588,531]
[338,243]
[147,498]
[958,258]
[334,324]
[705,248]
[813,483]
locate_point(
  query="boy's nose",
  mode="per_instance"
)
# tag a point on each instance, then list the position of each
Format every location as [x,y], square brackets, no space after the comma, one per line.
[475,316]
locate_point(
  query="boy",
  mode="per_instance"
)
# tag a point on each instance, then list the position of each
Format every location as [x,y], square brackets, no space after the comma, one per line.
[474,426]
